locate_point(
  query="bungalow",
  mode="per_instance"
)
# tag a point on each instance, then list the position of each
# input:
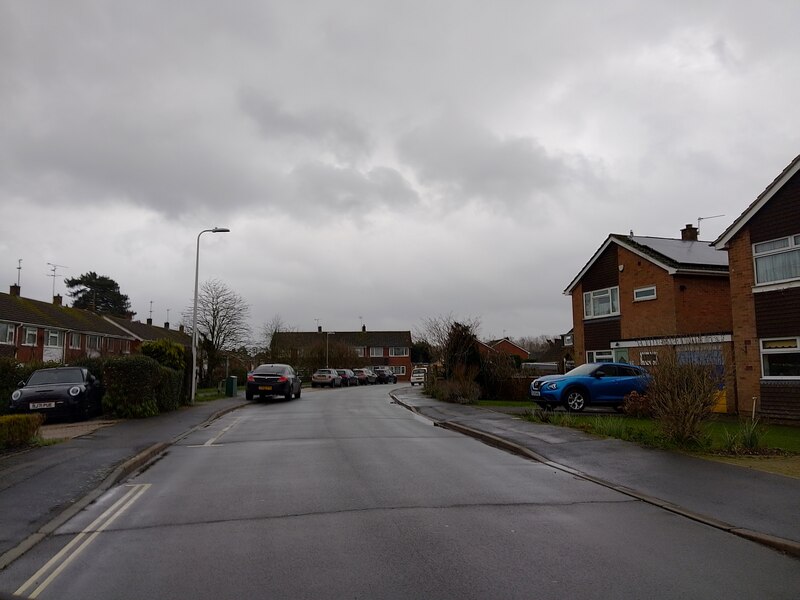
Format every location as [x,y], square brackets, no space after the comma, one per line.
[763,248]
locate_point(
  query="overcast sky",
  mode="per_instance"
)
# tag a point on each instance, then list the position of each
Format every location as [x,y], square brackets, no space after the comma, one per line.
[379,160]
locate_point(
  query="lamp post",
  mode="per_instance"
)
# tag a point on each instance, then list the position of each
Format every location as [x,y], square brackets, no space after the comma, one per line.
[327,335]
[194,311]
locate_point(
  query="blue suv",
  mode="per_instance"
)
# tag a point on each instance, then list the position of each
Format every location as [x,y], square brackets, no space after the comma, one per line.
[592,383]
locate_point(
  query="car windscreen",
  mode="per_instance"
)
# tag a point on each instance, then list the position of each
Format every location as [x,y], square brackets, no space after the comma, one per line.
[49,376]
[586,369]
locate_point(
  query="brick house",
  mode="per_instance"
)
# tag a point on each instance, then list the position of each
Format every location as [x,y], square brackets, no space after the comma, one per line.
[32,330]
[147,332]
[506,346]
[363,348]
[637,294]
[763,248]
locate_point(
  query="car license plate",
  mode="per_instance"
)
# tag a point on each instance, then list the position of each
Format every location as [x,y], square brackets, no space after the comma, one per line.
[536,393]
[265,388]
[37,405]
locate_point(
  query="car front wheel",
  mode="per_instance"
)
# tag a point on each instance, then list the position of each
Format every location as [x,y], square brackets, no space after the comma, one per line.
[576,400]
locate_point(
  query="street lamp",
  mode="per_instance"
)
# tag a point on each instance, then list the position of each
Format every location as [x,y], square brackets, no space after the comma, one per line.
[194,311]
[327,334]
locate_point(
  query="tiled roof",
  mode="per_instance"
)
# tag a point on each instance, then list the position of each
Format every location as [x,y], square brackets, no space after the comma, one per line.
[25,311]
[372,339]
[680,254]
[145,332]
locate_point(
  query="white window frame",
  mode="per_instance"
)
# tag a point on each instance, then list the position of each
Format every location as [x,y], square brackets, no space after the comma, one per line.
[125,346]
[792,246]
[771,351]
[648,358]
[644,293]
[398,351]
[9,336]
[569,339]
[109,344]
[376,351]
[93,342]
[73,345]
[594,356]
[31,332]
[398,369]
[51,335]
[589,299]
[360,351]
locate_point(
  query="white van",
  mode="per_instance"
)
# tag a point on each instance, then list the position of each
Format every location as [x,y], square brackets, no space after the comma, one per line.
[418,375]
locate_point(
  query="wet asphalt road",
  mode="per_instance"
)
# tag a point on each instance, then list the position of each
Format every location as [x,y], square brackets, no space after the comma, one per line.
[342,494]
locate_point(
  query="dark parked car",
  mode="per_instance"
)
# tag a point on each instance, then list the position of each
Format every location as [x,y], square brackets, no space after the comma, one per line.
[592,383]
[348,377]
[365,376]
[273,380]
[63,391]
[385,375]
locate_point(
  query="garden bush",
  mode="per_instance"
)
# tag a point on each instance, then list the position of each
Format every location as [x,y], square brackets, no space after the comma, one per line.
[131,387]
[636,405]
[19,430]
[168,389]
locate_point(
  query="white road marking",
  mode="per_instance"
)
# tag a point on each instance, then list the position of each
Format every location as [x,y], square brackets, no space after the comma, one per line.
[93,530]
[219,435]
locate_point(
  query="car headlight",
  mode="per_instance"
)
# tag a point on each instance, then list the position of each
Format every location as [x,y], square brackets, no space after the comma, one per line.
[16,395]
[75,390]
[552,385]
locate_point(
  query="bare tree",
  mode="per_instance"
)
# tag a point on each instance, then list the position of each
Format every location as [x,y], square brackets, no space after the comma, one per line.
[221,322]
[435,331]
[275,325]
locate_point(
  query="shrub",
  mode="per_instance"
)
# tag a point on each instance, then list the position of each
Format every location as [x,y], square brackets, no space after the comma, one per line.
[167,353]
[636,405]
[682,393]
[168,389]
[96,366]
[19,430]
[131,384]
[746,439]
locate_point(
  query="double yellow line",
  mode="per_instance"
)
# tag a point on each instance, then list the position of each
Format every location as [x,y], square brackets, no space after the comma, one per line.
[61,560]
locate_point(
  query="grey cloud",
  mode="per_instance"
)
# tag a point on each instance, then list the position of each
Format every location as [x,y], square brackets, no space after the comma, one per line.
[329,188]
[327,129]
[471,162]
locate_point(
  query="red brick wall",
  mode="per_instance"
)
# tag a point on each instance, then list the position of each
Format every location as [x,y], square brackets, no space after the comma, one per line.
[506,347]
[745,340]
[702,304]
[647,318]
[578,339]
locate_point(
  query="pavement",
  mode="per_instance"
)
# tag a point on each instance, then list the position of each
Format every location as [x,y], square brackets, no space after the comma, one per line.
[42,488]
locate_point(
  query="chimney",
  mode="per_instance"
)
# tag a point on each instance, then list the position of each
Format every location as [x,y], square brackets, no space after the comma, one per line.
[319,328]
[363,328]
[149,321]
[166,325]
[57,300]
[14,289]
[689,233]
[180,327]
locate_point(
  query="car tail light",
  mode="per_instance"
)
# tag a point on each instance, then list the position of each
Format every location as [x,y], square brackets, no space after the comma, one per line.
[250,377]
[282,379]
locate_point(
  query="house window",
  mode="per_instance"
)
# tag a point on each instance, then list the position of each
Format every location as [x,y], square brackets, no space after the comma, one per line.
[125,346]
[360,351]
[6,333]
[777,260]
[398,369]
[569,339]
[599,356]
[376,352]
[398,351]
[93,342]
[53,338]
[30,336]
[645,293]
[601,303]
[110,344]
[648,358]
[781,358]
[74,340]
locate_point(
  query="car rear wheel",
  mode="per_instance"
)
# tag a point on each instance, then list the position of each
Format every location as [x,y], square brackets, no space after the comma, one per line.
[576,400]
[288,394]
[299,389]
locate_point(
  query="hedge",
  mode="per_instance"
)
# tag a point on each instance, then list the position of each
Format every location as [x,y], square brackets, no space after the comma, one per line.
[19,430]
[11,373]
[137,386]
